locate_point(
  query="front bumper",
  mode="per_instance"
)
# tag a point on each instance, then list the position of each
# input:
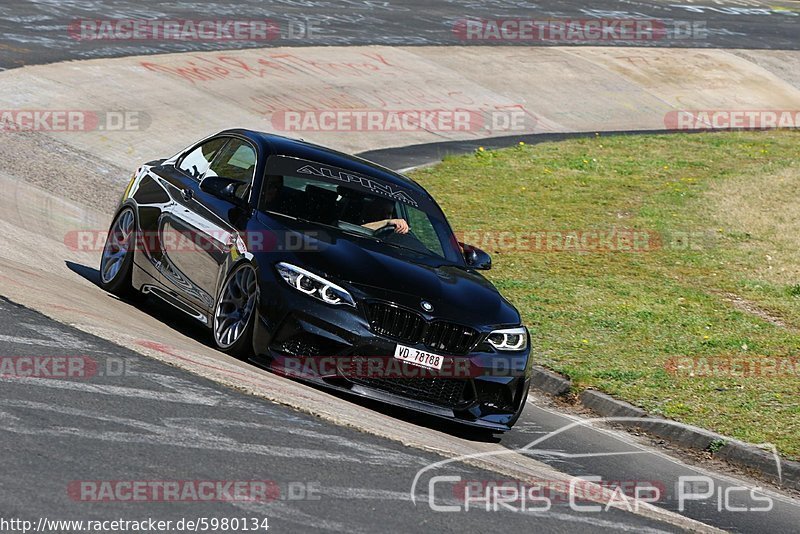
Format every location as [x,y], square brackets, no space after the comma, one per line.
[335,347]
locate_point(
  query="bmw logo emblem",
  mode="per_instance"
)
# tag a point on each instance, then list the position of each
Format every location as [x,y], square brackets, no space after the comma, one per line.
[427,306]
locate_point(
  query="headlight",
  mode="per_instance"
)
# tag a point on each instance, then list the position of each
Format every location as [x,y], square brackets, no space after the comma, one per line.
[509,339]
[313,285]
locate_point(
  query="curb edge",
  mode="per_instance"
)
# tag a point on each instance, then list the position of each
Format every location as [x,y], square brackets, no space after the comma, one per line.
[736,452]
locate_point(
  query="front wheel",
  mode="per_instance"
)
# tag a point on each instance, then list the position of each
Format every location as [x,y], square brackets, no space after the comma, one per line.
[235,311]
[116,263]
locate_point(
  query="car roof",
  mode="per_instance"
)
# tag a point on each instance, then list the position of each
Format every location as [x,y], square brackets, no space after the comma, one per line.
[298,148]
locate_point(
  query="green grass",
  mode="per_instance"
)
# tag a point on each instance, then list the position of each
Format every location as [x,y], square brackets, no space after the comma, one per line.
[618,321]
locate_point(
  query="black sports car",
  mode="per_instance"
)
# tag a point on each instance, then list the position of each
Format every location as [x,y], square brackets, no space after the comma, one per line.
[326,267]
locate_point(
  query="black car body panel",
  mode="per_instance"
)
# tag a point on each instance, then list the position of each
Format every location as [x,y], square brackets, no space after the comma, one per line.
[209,235]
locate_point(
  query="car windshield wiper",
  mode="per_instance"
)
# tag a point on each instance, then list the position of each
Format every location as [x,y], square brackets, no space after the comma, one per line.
[363,235]
[427,254]
[336,227]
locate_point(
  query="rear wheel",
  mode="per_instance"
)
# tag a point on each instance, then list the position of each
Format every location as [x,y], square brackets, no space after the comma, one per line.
[116,263]
[235,311]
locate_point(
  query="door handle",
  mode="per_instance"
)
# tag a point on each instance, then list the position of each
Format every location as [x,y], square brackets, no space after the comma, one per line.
[187,194]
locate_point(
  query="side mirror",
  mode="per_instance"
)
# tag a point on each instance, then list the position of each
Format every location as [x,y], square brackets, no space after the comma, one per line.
[476,258]
[223,188]
[229,191]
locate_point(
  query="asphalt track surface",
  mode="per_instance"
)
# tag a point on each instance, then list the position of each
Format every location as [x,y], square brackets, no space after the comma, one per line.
[39,31]
[130,419]
[157,422]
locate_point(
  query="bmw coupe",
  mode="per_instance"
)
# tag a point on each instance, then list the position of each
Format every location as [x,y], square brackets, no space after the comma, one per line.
[324,267]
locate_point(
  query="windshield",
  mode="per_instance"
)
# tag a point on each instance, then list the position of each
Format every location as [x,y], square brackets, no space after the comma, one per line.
[352,208]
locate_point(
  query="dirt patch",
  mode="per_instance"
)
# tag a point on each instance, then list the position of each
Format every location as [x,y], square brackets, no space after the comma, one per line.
[749,307]
[761,214]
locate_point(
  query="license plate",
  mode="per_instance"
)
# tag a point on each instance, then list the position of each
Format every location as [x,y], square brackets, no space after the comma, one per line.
[418,357]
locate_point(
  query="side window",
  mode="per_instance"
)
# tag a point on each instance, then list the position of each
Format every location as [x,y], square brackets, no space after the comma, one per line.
[237,161]
[196,162]
[423,230]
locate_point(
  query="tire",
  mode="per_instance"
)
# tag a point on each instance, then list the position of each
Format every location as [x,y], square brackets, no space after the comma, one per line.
[235,312]
[116,263]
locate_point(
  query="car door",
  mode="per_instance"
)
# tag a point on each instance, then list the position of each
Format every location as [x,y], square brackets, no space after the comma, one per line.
[176,240]
[203,227]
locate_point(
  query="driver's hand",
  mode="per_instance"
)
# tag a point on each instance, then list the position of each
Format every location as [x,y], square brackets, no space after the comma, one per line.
[400,226]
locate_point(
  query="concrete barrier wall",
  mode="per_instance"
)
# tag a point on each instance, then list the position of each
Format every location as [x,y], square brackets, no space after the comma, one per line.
[184,96]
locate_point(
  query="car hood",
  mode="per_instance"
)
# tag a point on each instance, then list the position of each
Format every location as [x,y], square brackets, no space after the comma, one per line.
[376,270]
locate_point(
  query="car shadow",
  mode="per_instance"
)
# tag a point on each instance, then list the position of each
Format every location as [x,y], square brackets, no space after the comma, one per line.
[156,308]
[84,271]
[183,324]
[416,418]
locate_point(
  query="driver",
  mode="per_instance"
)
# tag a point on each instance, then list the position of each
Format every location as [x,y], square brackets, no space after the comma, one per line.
[379,212]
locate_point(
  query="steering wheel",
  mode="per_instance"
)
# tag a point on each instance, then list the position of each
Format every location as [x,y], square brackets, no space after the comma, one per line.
[386,229]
